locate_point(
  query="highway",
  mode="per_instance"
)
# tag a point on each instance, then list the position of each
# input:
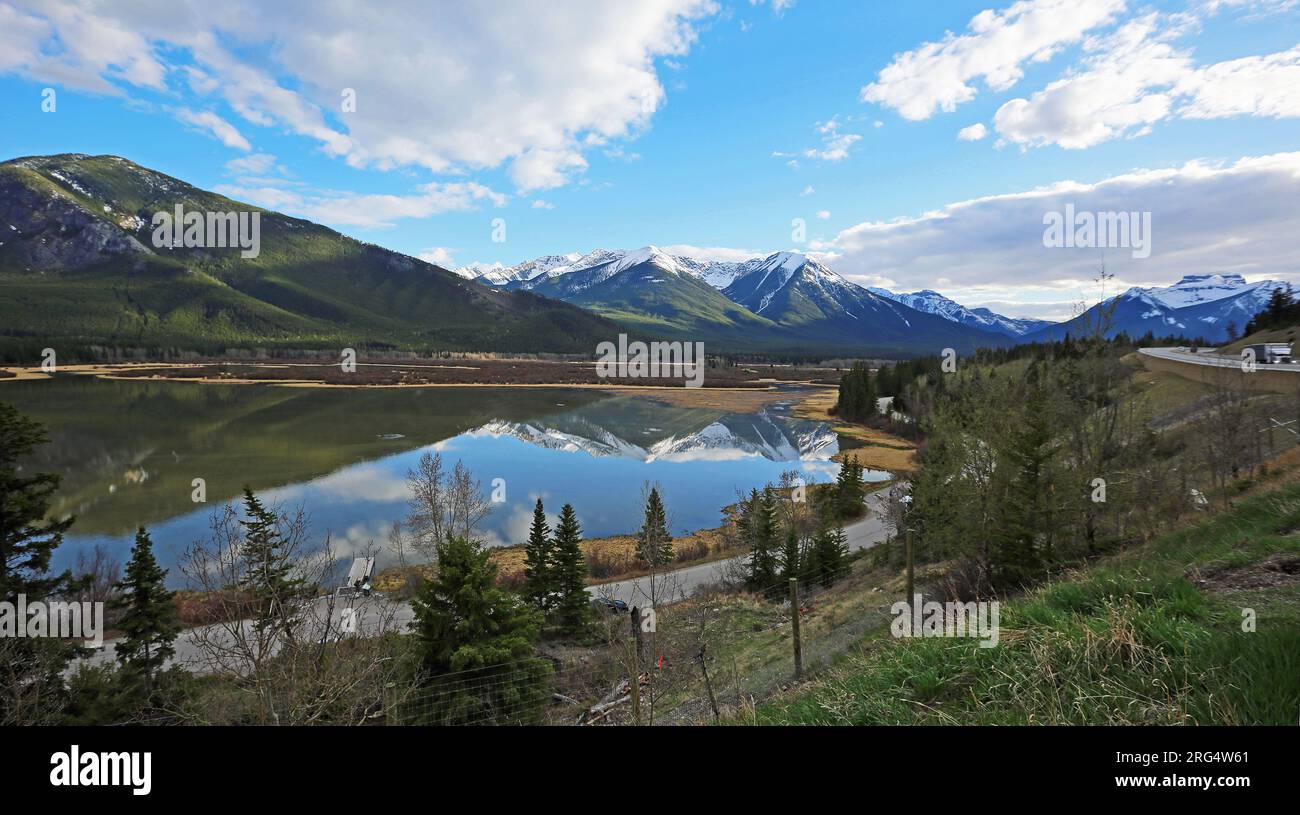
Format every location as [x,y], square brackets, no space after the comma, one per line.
[1208,357]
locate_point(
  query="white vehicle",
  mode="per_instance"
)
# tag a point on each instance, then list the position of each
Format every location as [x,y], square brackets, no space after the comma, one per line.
[1270,353]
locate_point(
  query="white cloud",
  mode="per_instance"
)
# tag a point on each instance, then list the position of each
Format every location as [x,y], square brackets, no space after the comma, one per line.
[974,132]
[92,52]
[808,190]
[1206,218]
[439,256]
[824,214]
[215,126]
[540,204]
[938,75]
[370,211]
[253,165]
[1136,78]
[468,86]
[1252,86]
[835,145]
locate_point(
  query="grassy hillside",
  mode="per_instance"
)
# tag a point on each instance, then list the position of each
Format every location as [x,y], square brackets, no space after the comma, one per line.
[78,268]
[1151,636]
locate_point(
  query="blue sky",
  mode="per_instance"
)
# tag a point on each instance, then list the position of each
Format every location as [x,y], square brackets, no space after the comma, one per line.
[708,125]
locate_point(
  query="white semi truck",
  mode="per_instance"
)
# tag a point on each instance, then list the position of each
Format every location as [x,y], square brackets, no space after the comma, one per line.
[1270,353]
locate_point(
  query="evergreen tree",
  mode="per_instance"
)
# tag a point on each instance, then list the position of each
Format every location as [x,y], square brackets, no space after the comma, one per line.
[268,575]
[569,567]
[790,560]
[1016,555]
[538,580]
[149,623]
[830,550]
[475,644]
[762,544]
[27,542]
[848,488]
[31,669]
[653,543]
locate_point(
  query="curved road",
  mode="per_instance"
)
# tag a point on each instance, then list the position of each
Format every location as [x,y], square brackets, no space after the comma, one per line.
[680,583]
[375,615]
[1209,359]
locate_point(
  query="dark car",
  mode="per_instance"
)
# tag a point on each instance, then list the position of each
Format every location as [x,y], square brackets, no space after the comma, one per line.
[617,606]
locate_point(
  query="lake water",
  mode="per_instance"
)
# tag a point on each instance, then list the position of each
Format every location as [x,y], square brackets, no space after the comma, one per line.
[128,453]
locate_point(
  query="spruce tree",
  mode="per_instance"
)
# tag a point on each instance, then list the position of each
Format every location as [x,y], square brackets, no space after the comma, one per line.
[762,552]
[149,623]
[30,668]
[569,567]
[848,488]
[830,550]
[1016,554]
[27,541]
[538,580]
[653,544]
[790,561]
[475,645]
[268,575]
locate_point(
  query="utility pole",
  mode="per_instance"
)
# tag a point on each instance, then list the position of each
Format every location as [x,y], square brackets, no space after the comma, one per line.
[798,644]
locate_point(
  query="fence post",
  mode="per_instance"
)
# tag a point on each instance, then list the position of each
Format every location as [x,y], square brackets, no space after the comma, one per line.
[636,665]
[794,611]
[910,575]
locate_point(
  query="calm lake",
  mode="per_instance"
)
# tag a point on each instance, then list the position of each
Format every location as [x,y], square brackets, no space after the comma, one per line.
[128,453]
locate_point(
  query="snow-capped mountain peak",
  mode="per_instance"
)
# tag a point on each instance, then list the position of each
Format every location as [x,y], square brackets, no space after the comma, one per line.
[932,302]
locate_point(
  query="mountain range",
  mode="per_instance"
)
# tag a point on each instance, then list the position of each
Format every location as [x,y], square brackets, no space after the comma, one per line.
[784,301]
[79,269]
[1206,307]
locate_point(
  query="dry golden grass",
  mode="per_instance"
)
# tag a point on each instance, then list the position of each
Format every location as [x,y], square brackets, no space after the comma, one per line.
[879,450]
[610,559]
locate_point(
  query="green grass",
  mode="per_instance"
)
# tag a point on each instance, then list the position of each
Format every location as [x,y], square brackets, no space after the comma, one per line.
[1151,636]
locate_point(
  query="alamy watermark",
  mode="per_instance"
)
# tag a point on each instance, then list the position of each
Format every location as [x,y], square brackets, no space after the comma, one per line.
[951,619]
[208,230]
[1098,230]
[55,618]
[634,360]
[76,768]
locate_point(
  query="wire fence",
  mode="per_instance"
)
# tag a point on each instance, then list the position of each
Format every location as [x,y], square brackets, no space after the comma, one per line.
[702,656]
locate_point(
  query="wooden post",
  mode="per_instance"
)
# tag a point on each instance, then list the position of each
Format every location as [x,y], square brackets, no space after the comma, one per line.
[794,615]
[910,573]
[635,686]
[708,685]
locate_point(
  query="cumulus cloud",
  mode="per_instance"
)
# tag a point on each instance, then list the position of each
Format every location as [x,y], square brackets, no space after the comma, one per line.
[1136,77]
[1206,218]
[462,87]
[974,132]
[939,75]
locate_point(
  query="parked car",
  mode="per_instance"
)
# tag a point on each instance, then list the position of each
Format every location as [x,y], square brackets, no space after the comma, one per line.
[606,604]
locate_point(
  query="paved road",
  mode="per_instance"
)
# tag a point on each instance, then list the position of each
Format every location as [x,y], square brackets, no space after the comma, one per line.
[1209,358]
[376,615]
[680,583]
